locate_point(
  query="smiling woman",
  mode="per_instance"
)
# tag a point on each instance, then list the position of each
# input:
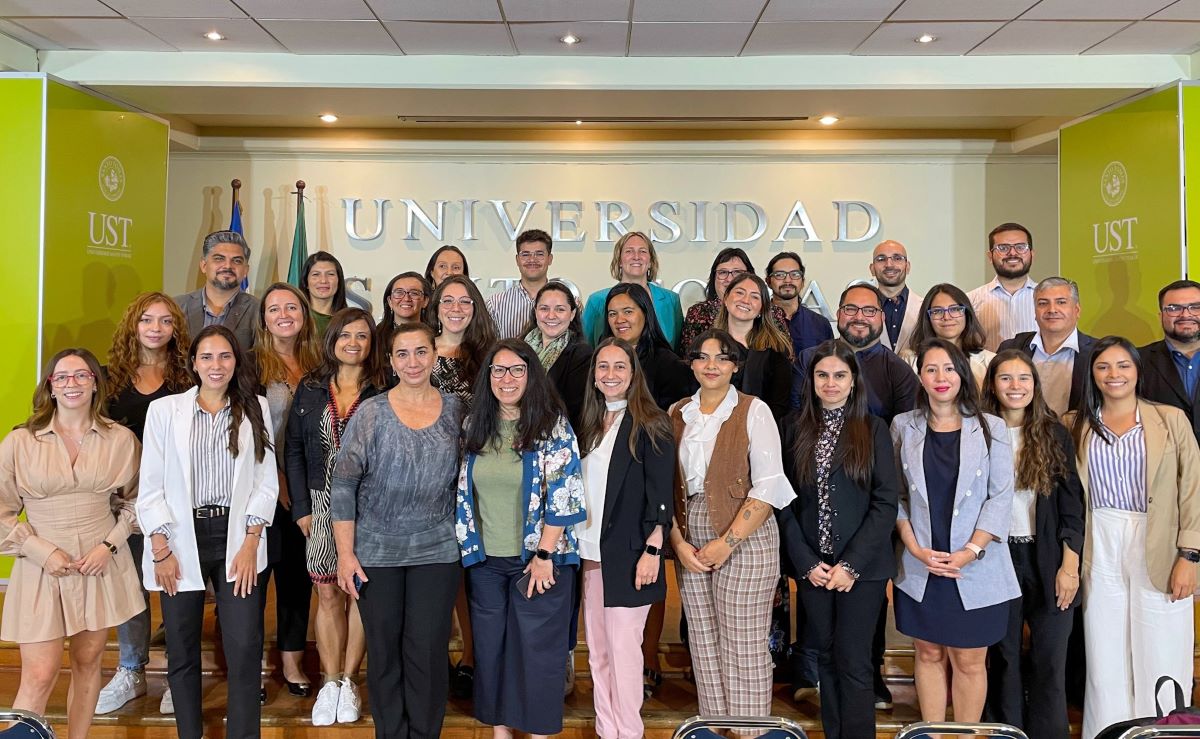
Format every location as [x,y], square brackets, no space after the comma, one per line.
[324,286]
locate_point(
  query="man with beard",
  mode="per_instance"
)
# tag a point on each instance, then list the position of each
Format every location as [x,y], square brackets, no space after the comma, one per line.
[901,307]
[225,262]
[785,277]
[1004,306]
[1171,367]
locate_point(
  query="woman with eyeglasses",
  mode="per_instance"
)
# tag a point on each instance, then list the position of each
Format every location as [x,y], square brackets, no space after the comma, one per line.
[555,332]
[520,497]
[1140,470]
[324,287]
[65,467]
[447,261]
[635,261]
[392,504]
[464,332]
[405,299]
[729,263]
[746,314]
[946,313]
[724,532]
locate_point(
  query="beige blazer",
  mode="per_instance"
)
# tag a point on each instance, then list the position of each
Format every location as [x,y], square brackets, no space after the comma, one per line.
[1172,488]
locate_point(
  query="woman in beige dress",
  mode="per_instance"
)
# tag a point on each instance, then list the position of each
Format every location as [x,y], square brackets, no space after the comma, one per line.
[69,468]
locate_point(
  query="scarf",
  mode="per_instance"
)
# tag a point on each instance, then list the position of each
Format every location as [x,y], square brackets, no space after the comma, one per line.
[547,353]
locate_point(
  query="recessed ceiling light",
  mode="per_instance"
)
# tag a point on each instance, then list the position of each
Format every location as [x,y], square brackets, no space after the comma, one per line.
[925,38]
[578,123]
[828,120]
[329,118]
[570,39]
[214,36]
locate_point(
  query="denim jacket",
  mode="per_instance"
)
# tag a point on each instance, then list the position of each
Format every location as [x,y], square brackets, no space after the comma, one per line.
[552,493]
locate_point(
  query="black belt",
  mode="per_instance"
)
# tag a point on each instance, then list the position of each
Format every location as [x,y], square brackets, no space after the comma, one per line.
[210,511]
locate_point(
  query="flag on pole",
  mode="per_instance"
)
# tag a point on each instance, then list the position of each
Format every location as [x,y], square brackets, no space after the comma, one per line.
[235,222]
[299,240]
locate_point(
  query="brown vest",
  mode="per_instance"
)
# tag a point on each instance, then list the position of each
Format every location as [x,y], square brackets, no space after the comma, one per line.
[728,478]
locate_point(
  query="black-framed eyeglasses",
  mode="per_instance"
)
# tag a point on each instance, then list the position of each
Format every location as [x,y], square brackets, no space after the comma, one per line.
[400,294]
[516,370]
[81,377]
[728,274]
[1021,248]
[954,311]
[795,274]
[1175,310]
[850,310]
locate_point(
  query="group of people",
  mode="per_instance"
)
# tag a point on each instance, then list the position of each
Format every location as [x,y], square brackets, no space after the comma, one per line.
[526,459]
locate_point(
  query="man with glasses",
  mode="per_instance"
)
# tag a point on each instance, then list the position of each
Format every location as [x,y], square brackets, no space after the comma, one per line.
[1059,350]
[901,307]
[511,308]
[785,277]
[1171,367]
[1004,306]
[225,262]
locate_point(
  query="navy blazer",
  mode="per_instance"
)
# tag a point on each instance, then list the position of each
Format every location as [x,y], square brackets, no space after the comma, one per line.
[1161,383]
[1079,368]
[807,328]
[891,383]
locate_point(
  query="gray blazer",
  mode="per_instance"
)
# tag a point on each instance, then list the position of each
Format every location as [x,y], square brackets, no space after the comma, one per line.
[241,315]
[982,500]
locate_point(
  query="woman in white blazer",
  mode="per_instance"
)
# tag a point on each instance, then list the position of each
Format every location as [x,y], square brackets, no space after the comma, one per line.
[209,491]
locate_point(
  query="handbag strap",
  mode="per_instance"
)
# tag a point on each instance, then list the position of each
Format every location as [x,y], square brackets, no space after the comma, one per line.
[1179,702]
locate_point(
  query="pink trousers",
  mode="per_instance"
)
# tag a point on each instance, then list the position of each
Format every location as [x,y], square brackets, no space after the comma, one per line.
[614,639]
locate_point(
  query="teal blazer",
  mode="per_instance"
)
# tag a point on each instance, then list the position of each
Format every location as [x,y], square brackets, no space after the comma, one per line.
[666,309]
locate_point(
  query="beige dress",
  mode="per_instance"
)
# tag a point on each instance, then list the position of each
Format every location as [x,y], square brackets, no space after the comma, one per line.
[73,509]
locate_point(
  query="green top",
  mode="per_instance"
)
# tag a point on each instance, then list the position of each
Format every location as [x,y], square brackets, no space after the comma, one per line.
[322,322]
[497,478]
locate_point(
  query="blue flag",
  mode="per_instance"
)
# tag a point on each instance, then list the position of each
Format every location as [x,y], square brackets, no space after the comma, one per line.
[235,224]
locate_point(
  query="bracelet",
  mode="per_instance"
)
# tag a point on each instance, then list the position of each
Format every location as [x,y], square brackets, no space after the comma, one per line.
[254,533]
[848,569]
[160,550]
[164,559]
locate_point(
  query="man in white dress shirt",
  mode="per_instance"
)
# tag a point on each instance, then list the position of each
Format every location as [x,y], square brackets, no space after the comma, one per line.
[1004,306]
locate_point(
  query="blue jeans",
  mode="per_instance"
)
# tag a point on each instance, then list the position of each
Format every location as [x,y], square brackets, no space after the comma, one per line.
[133,636]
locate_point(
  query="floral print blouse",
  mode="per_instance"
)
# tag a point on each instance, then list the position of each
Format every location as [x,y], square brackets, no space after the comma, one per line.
[832,421]
[701,317]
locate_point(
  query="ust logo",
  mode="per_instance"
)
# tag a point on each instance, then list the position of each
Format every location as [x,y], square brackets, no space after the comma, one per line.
[112,179]
[1114,181]
[1112,240]
[108,234]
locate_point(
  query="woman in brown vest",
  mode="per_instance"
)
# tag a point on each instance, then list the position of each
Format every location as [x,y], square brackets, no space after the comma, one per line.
[725,535]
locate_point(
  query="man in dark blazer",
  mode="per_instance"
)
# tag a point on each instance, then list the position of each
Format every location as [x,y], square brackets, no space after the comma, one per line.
[1171,367]
[1060,351]
[225,262]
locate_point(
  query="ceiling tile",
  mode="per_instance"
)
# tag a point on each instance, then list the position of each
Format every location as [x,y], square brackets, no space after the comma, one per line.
[828,10]
[176,8]
[1181,10]
[334,10]
[960,10]
[697,11]
[1151,37]
[61,8]
[953,39]
[479,39]
[332,37]
[27,37]
[566,10]
[596,38]
[808,37]
[1048,37]
[688,39]
[108,34]
[187,34]
[1094,9]
[436,10]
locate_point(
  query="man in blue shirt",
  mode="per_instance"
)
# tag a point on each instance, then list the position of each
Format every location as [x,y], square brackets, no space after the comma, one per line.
[1171,367]
[785,277]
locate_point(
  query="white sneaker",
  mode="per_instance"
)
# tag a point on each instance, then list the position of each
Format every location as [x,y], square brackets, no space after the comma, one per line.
[325,710]
[167,705]
[348,703]
[124,687]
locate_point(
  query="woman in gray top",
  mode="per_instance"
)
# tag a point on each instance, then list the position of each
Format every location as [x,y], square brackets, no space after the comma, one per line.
[392,502]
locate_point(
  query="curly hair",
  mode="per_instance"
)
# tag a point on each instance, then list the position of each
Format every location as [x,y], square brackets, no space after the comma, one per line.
[124,356]
[1041,460]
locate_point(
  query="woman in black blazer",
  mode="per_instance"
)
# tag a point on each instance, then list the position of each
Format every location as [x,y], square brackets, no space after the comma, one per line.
[629,315]
[746,314]
[629,473]
[838,532]
[1045,540]
[556,334]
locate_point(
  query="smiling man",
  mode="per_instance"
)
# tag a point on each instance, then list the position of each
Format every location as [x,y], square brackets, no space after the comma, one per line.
[224,262]
[1004,306]
[1171,367]
[901,306]
[511,308]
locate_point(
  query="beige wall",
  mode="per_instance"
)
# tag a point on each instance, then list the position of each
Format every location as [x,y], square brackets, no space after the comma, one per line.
[939,198]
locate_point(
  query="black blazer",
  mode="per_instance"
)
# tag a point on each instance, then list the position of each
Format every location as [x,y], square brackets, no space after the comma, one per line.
[638,498]
[667,376]
[1058,518]
[863,518]
[1161,383]
[569,373]
[304,457]
[767,375]
[1083,359]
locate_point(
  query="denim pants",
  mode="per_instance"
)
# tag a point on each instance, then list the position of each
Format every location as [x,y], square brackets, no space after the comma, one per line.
[133,636]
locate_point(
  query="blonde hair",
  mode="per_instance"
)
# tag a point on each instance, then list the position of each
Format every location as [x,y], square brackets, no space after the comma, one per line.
[615,268]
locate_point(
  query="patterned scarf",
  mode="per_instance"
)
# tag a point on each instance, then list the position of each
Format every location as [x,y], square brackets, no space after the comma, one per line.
[547,353]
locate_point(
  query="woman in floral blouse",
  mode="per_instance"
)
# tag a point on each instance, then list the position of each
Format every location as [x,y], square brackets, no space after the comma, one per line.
[520,494]
[729,263]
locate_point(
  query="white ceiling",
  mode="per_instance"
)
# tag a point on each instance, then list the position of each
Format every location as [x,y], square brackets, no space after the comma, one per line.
[721,28]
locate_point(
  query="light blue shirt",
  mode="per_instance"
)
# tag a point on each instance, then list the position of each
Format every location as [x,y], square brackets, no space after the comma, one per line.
[666,309]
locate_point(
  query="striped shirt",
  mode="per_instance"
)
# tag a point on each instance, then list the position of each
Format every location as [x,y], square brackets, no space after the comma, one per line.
[510,310]
[1003,315]
[212,464]
[1117,471]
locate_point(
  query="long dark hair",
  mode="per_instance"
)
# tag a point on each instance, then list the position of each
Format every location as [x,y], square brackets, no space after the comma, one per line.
[968,394]
[243,400]
[44,402]
[1041,460]
[645,415]
[860,443]
[765,333]
[339,295]
[327,370]
[540,405]
[434,257]
[652,335]
[481,331]
[575,326]
[389,315]
[1093,399]
[729,252]
[972,338]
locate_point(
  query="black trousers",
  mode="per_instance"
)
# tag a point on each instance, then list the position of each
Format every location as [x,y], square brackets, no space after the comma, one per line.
[406,615]
[293,587]
[840,627]
[1044,715]
[241,624]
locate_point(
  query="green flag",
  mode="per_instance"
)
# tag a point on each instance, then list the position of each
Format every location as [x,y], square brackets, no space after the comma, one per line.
[299,244]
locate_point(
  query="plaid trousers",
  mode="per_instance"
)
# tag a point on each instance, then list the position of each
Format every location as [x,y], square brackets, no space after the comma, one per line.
[729,619]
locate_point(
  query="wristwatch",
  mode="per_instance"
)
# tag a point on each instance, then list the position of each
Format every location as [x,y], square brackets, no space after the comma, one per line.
[975,549]
[1191,555]
[652,550]
[543,554]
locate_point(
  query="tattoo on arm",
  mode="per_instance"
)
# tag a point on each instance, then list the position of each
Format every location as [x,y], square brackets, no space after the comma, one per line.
[752,507]
[732,540]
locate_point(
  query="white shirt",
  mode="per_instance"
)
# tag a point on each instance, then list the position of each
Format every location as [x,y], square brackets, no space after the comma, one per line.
[766,457]
[595,484]
[1055,370]
[1024,501]
[1002,315]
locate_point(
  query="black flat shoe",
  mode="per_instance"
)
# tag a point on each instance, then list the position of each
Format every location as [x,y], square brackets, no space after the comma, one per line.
[651,682]
[262,696]
[300,690]
[462,682]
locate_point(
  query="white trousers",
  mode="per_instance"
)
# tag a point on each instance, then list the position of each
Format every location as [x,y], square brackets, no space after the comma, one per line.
[1133,633]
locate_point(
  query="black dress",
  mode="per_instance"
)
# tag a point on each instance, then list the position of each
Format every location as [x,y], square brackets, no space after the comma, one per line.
[940,617]
[129,406]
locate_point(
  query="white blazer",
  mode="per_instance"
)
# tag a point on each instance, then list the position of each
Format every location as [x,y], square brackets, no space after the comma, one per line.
[165,492]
